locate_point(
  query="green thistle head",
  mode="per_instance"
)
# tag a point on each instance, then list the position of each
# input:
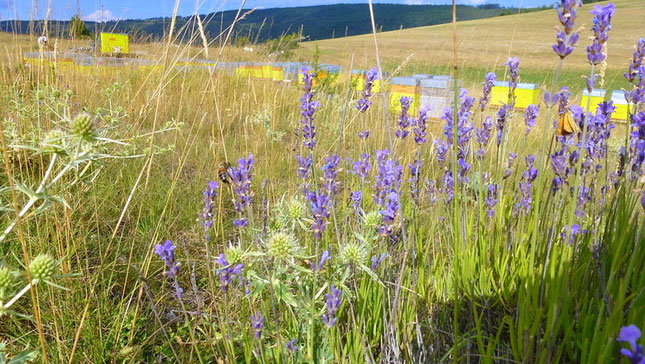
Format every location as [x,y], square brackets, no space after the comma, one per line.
[234,255]
[43,267]
[53,142]
[282,245]
[353,253]
[372,220]
[6,281]
[83,126]
[296,210]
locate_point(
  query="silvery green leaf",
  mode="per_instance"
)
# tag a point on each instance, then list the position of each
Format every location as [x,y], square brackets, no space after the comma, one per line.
[24,356]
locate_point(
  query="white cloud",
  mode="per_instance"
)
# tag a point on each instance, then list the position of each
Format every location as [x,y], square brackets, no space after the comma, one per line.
[100,16]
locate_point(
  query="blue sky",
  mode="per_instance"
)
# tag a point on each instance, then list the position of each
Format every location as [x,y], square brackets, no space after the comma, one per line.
[128,9]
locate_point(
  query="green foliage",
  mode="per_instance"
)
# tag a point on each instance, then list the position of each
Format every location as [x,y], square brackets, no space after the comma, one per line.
[77,28]
[282,47]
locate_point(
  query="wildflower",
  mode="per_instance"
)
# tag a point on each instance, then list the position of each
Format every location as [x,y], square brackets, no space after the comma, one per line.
[364,134]
[419,125]
[291,345]
[573,231]
[353,253]
[362,167]
[282,245]
[464,127]
[307,109]
[567,13]
[257,324]
[330,172]
[319,203]
[6,281]
[513,64]
[332,304]
[630,334]
[637,143]
[389,213]
[404,119]
[167,254]
[488,86]
[431,191]
[364,102]
[415,172]
[388,177]
[448,186]
[377,260]
[323,258]
[463,170]
[532,112]
[483,136]
[563,100]
[372,219]
[83,126]
[643,200]
[509,164]
[241,178]
[491,199]
[525,184]
[42,267]
[304,166]
[442,151]
[357,200]
[601,26]
[206,216]
[501,122]
[634,69]
[564,43]
[228,272]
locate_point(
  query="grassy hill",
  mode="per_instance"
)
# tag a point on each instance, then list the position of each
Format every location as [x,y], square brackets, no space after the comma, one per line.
[315,22]
[484,45]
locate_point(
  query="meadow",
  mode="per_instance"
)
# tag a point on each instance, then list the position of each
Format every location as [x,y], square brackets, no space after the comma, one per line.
[188,215]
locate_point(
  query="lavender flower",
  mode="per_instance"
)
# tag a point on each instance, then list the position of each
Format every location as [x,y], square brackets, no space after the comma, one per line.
[464,127]
[488,86]
[448,186]
[513,64]
[415,172]
[567,13]
[573,231]
[330,171]
[362,167]
[630,334]
[388,177]
[304,171]
[323,258]
[364,134]
[491,199]
[509,165]
[442,151]
[584,196]
[206,216]
[563,99]
[377,260]
[167,254]
[419,126]
[636,75]
[291,345]
[564,43]
[364,102]
[525,184]
[307,109]
[464,168]
[357,200]
[257,324]
[483,137]
[637,144]
[431,191]
[332,303]
[241,178]
[320,204]
[532,112]
[228,273]
[601,26]
[501,122]
[404,118]
[389,213]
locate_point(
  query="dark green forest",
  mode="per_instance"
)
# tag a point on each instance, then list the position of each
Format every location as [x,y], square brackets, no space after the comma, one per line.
[313,22]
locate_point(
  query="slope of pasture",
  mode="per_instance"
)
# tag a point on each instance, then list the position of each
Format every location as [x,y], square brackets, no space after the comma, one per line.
[486,43]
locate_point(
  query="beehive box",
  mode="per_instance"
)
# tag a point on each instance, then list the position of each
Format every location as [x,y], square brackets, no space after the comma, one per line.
[597,96]
[277,72]
[437,94]
[114,43]
[525,94]
[358,81]
[404,86]
[244,69]
[620,103]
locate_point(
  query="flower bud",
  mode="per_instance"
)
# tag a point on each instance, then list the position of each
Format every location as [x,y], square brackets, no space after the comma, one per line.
[83,126]
[42,267]
[6,280]
[353,253]
[282,245]
[372,220]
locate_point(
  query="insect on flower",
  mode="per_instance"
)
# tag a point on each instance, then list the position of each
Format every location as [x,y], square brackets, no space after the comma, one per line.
[566,125]
[223,172]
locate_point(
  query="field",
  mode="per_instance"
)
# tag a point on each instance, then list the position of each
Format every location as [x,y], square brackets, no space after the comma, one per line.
[187,215]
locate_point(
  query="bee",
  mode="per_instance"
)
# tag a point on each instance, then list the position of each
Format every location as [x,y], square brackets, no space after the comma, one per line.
[223,172]
[566,125]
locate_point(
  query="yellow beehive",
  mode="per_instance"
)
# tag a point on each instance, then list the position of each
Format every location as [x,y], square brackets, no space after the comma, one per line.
[277,73]
[244,70]
[596,97]
[357,80]
[256,70]
[621,112]
[525,94]
[114,43]
[267,71]
[404,86]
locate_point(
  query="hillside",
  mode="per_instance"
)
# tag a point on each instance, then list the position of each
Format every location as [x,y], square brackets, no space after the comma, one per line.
[316,22]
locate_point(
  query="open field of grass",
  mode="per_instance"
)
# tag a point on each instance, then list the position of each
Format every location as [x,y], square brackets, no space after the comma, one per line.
[335,235]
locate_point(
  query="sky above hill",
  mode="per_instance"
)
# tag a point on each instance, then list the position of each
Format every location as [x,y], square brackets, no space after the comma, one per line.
[104,10]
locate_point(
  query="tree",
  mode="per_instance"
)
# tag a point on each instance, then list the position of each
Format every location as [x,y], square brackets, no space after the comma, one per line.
[77,28]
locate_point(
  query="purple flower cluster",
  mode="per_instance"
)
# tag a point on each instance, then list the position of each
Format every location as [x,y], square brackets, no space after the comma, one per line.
[464,126]
[364,134]
[488,86]
[206,216]
[637,142]
[531,114]
[448,188]
[389,213]
[332,303]
[415,174]
[431,191]
[308,108]
[388,176]
[319,202]
[304,171]
[377,260]
[509,164]
[491,199]
[564,43]
[228,273]
[330,184]
[166,252]
[257,324]
[364,102]
[513,64]
[526,192]
[404,118]
[323,258]
[419,125]
[357,200]
[442,149]
[483,137]
[241,178]
[362,167]
[573,232]
[567,38]
[630,334]
[500,119]
[601,26]
[636,75]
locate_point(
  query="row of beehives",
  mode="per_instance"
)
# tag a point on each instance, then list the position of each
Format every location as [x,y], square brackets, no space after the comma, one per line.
[437,92]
